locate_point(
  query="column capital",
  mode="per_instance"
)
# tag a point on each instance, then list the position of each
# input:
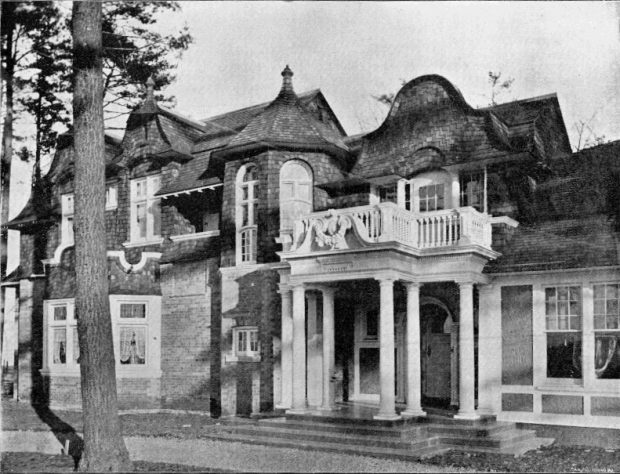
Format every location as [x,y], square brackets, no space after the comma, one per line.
[410,285]
[465,283]
[327,290]
[284,288]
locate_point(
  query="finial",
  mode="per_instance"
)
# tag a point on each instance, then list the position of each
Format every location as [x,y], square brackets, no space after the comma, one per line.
[287,81]
[150,86]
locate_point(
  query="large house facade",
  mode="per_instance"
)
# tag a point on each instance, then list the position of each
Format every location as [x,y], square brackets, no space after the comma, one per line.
[262,259]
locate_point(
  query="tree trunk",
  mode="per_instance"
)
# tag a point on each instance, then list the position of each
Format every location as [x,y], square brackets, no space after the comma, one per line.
[7,150]
[104,448]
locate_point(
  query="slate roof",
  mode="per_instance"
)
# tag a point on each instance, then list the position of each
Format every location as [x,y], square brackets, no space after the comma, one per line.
[574,224]
[190,250]
[193,175]
[285,122]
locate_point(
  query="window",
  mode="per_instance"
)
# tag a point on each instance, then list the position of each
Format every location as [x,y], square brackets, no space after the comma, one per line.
[245,342]
[110,198]
[388,193]
[145,209]
[295,192]
[247,206]
[66,226]
[472,190]
[563,324]
[136,329]
[62,339]
[607,331]
[372,324]
[431,197]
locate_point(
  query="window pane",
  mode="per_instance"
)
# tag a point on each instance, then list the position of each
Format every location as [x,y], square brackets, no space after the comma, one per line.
[612,291]
[304,191]
[70,230]
[156,212]
[563,308]
[76,346]
[241,342]
[575,323]
[550,295]
[141,220]
[60,346]
[599,306]
[132,345]
[599,322]
[245,218]
[60,313]
[612,307]
[133,310]
[612,321]
[372,323]
[607,355]
[552,322]
[245,193]
[286,190]
[599,292]
[254,341]
[564,355]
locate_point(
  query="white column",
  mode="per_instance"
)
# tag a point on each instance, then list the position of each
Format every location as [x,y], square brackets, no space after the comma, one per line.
[314,364]
[489,349]
[299,350]
[286,352]
[467,409]
[414,376]
[329,354]
[387,409]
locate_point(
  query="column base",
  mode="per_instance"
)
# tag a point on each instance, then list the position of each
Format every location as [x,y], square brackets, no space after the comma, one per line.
[467,416]
[328,409]
[297,411]
[412,413]
[279,406]
[387,416]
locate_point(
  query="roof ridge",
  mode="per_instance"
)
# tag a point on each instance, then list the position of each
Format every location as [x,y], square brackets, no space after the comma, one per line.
[551,95]
[177,115]
[304,95]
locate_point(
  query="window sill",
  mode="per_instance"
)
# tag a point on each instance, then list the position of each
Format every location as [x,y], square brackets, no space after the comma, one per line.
[241,358]
[197,235]
[143,243]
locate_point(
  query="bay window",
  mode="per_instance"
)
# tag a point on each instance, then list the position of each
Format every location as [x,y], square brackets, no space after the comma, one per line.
[245,342]
[145,213]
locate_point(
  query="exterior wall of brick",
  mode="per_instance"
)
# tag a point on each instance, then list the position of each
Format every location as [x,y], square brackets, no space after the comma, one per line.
[186,333]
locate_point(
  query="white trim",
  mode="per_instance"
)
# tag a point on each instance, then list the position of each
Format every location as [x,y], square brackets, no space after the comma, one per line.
[509,221]
[188,191]
[197,235]
[55,260]
[142,243]
[136,266]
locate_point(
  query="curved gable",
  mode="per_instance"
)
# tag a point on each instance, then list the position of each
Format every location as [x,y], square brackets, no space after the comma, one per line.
[428,113]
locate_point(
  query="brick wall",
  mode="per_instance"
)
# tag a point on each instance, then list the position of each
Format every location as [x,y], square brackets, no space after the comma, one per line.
[186,333]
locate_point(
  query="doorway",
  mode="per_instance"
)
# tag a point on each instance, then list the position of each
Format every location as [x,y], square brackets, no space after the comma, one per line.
[437,354]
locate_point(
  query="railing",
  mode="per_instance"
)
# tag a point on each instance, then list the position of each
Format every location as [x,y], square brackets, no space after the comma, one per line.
[386,222]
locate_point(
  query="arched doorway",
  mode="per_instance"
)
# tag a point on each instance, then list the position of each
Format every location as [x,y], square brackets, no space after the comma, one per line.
[438,352]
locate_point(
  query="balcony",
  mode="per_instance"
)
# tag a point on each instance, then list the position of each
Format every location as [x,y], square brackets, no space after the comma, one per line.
[386,224]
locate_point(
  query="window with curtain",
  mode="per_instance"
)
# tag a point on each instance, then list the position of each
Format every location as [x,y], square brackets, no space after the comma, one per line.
[132,345]
[607,331]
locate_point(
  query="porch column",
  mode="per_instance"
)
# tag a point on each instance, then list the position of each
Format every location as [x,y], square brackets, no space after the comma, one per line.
[314,364]
[286,352]
[299,349]
[414,376]
[467,400]
[329,354]
[387,409]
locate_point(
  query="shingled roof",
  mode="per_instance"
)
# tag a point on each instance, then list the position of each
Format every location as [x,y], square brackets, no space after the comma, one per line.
[285,123]
[574,224]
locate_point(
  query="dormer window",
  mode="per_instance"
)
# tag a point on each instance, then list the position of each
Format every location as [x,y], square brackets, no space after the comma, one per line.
[145,209]
[247,206]
[432,197]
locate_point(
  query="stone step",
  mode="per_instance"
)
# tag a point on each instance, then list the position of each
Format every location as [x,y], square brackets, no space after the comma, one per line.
[336,447]
[318,435]
[339,419]
[403,431]
[472,431]
[500,440]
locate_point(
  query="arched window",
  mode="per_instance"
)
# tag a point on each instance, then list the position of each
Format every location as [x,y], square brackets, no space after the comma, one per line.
[295,192]
[247,204]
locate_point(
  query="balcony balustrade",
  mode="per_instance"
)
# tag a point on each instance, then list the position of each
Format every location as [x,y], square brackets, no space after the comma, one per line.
[386,222]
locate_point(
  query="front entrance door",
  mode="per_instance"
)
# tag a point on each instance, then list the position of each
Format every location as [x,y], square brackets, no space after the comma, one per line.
[436,354]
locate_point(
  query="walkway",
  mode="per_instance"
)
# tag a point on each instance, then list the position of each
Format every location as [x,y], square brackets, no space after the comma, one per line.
[225,455]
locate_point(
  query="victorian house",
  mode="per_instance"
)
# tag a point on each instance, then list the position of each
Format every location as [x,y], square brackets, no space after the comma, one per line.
[455,258]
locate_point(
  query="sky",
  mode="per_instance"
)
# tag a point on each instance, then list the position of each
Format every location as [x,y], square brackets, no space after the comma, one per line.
[354,50]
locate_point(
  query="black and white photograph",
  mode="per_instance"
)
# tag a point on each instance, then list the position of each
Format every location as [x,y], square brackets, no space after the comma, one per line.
[310,236]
